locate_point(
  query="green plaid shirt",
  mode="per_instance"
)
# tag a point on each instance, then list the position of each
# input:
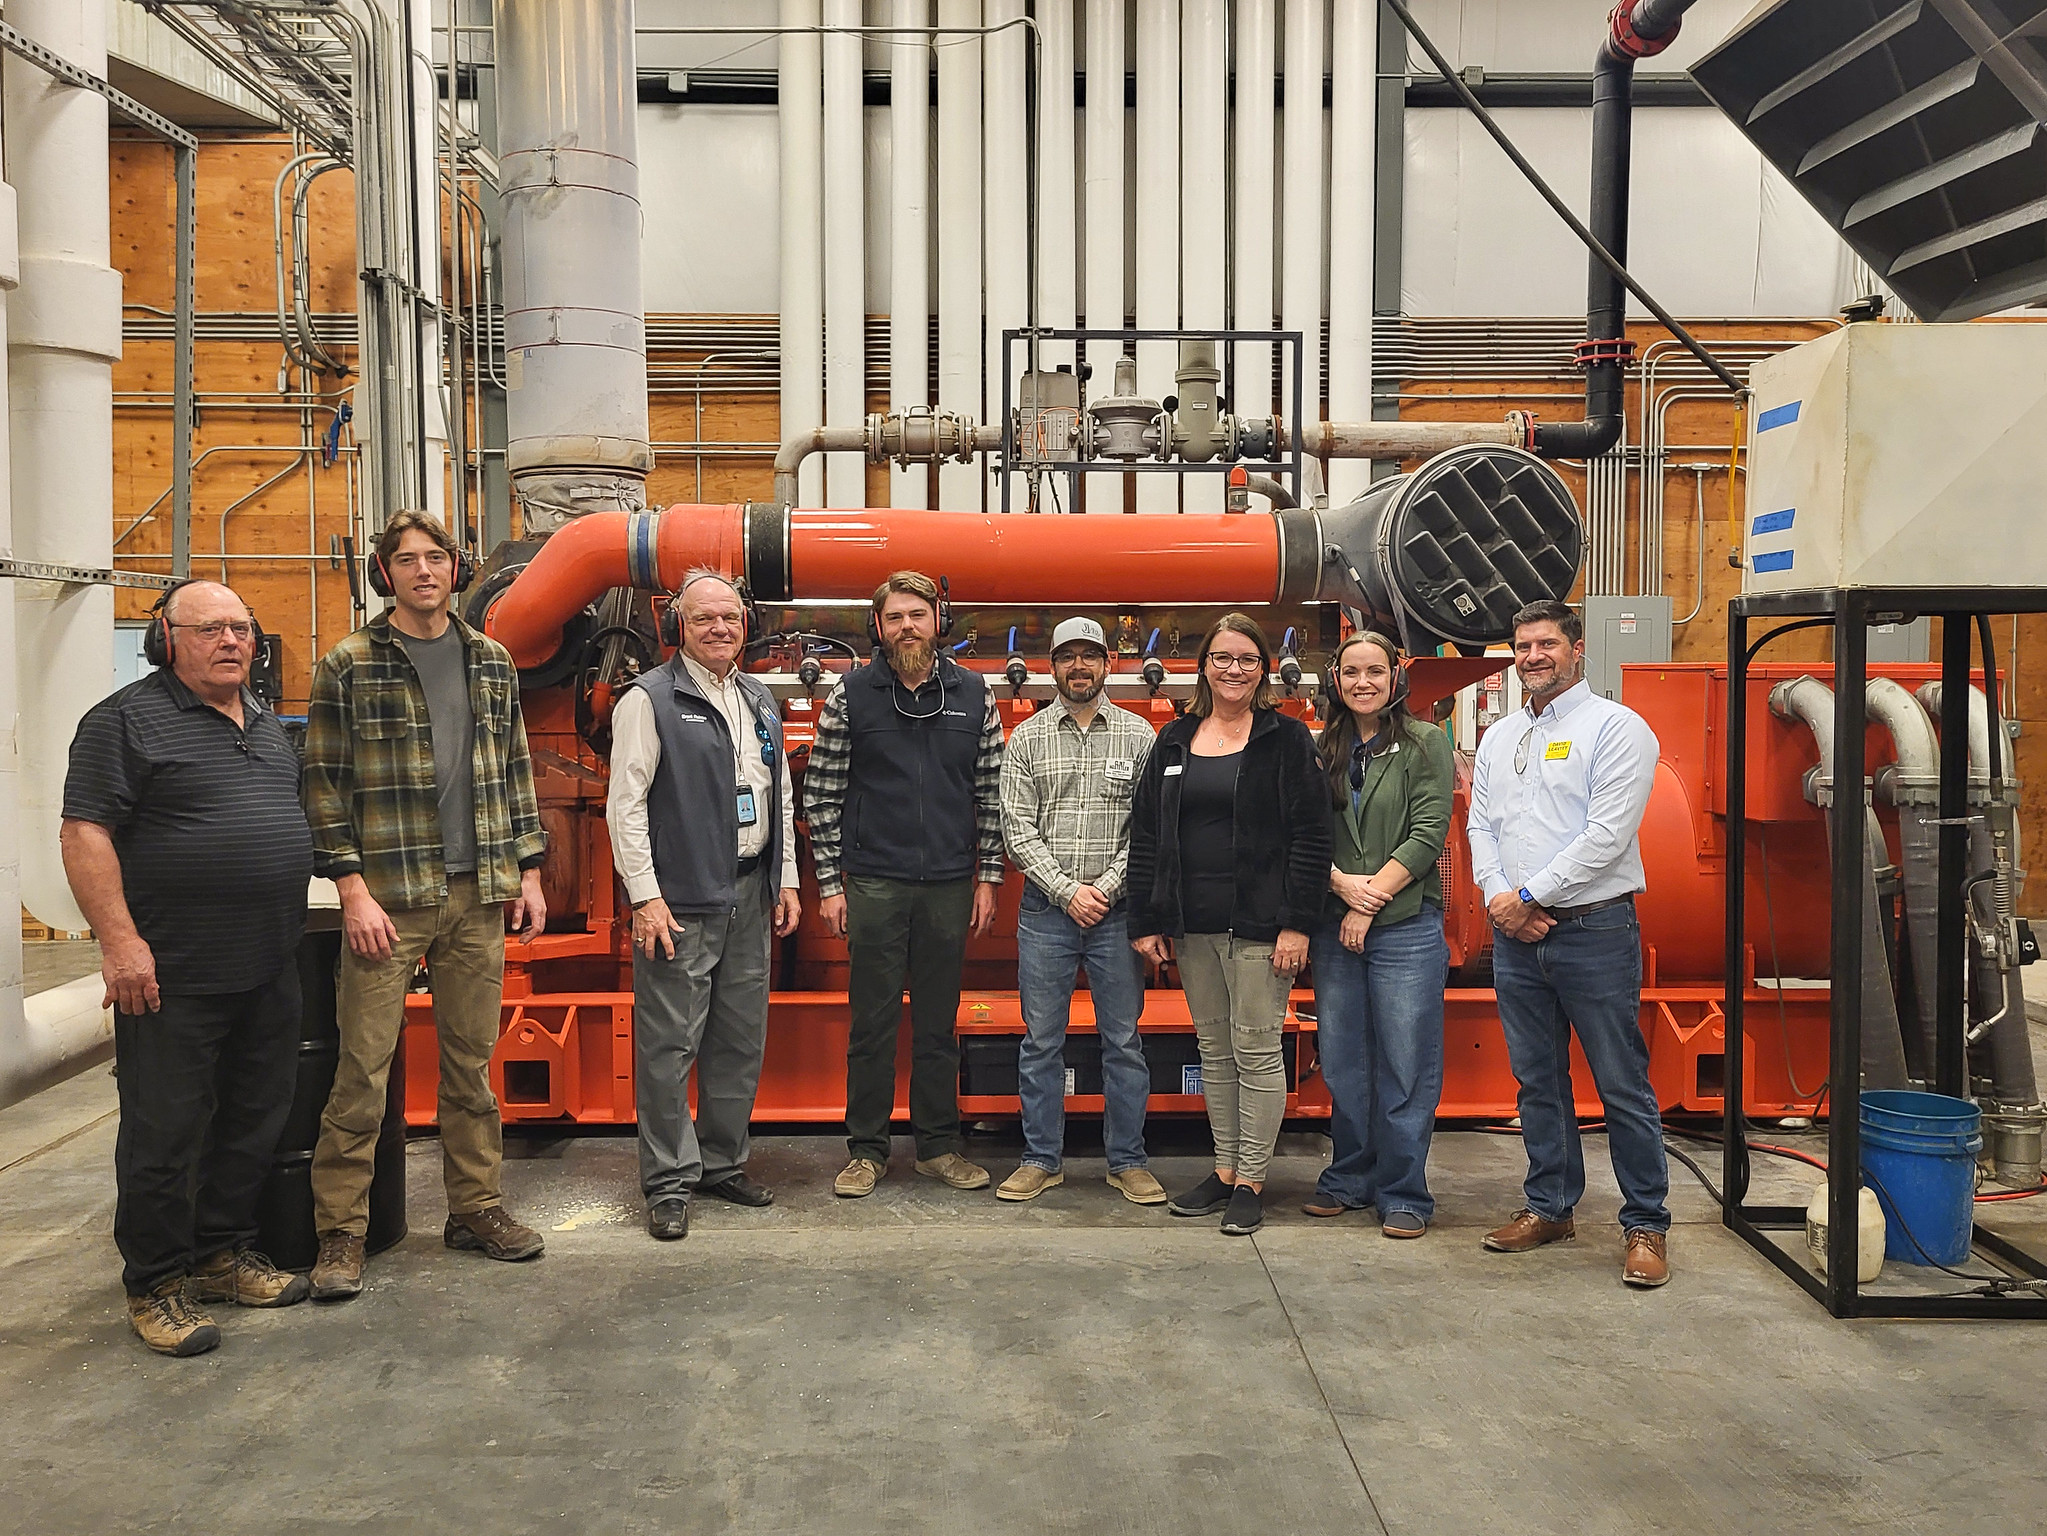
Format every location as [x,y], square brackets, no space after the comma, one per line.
[369,772]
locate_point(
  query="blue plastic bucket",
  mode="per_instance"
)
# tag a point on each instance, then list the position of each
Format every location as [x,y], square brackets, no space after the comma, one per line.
[1919,1155]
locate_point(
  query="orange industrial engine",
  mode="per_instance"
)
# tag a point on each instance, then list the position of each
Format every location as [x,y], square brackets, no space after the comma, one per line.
[567,610]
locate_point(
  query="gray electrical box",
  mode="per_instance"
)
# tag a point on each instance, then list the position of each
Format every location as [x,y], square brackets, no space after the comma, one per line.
[1623,629]
[1901,642]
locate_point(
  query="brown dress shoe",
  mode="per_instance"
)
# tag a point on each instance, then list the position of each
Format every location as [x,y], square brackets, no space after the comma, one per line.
[1528,1231]
[1647,1264]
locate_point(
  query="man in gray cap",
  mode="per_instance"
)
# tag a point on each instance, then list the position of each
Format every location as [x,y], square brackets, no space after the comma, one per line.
[1066,785]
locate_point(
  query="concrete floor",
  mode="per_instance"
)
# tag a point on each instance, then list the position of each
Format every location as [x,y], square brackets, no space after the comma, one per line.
[926,1361]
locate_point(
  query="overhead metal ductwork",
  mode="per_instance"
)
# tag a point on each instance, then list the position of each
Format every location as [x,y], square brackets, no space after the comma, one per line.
[575,330]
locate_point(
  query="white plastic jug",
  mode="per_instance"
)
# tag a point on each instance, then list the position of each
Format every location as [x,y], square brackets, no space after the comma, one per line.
[1869,1233]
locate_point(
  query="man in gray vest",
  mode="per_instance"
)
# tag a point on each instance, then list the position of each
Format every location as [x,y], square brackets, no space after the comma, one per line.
[703,834]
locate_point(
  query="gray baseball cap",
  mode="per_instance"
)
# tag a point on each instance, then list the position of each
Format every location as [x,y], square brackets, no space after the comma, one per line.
[1079,632]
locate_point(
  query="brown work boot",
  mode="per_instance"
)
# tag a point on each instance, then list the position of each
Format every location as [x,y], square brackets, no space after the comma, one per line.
[1647,1264]
[337,1272]
[248,1279]
[1139,1186]
[493,1233]
[1528,1231]
[171,1325]
[858,1178]
[1029,1182]
[954,1170]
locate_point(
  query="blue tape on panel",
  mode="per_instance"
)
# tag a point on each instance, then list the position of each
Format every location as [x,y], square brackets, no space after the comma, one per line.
[1776,560]
[1778,416]
[1774,522]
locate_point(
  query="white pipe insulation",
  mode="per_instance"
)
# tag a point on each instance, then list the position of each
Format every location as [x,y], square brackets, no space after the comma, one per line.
[845,250]
[1302,214]
[799,241]
[426,245]
[1107,117]
[1058,179]
[54,1035]
[1253,219]
[1204,183]
[64,333]
[575,332]
[959,240]
[13,1024]
[1353,119]
[909,275]
[1158,217]
[1006,224]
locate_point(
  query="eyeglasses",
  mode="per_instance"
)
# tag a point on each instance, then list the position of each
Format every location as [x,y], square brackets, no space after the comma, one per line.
[241,629]
[1226,661]
[1521,752]
[767,741]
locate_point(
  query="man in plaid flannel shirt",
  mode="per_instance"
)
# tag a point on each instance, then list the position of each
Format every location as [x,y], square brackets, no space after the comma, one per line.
[903,795]
[420,795]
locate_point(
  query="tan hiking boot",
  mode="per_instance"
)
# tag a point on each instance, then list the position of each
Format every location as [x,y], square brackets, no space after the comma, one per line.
[1027,1183]
[171,1325]
[337,1273]
[1138,1186]
[1528,1231]
[858,1178]
[1647,1264]
[954,1170]
[248,1279]
[493,1233]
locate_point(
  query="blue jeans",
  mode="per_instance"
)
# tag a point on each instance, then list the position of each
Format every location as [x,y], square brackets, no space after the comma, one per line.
[1379,1033]
[1586,973]
[1050,948]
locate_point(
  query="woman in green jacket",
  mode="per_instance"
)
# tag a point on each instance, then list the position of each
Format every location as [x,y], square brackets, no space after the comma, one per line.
[1379,957]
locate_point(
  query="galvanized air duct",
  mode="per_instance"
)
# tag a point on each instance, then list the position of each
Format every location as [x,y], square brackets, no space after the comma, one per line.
[1809,700]
[1912,784]
[575,337]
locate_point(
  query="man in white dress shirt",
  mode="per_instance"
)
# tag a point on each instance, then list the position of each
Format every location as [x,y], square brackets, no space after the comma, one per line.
[1557,797]
[703,834]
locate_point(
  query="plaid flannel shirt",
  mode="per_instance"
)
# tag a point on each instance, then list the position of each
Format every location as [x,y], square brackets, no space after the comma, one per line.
[369,772]
[830,772]
[1066,798]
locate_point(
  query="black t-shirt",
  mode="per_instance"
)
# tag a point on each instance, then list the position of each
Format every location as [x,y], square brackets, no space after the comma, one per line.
[1208,842]
[214,848]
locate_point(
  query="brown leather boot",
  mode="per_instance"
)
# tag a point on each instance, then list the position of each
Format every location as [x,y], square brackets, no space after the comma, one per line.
[170,1324]
[1647,1264]
[1528,1231]
[337,1273]
[493,1233]
[248,1279]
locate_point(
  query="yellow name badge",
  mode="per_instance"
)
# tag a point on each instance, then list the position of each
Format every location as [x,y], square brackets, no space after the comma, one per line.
[1556,751]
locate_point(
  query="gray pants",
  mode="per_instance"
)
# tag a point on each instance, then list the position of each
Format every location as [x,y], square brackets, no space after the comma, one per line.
[1238,1003]
[708,1009]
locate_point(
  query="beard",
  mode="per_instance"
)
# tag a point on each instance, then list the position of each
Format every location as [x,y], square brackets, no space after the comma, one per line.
[1078,692]
[912,654]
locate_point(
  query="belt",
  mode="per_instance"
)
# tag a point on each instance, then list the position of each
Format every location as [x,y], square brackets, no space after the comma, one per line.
[748,865]
[1560,913]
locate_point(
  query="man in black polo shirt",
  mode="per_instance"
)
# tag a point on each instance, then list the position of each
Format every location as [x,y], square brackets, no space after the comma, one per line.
[188,853]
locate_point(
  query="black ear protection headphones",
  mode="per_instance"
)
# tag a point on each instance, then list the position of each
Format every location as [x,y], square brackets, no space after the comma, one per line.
[944,616]
[668,623]
[159,645]
[380,578]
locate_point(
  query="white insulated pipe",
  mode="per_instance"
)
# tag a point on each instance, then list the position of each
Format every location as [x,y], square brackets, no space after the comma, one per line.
[1006,222]
[1158,217]
[1107,303]
[64,334]
[1353,119]
[909,261]
[960,486]
[13,1025]
[426,244]
[799,240]
[1253,223]
[575,331]
[1058,181]
[1301,213]
[845,249]
[53,1035]
[1204,185]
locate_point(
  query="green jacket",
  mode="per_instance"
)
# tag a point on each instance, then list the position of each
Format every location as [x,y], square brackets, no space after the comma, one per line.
[369,772]
[1404,814]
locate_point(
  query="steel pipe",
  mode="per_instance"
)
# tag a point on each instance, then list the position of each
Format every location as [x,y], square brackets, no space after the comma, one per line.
[1399,439]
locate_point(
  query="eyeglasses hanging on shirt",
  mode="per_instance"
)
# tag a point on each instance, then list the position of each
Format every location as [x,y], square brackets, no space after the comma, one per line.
[896,691]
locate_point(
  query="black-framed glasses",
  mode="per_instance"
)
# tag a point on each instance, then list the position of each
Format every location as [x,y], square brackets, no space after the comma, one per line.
[1226,661]
[1521,752]
[241,629]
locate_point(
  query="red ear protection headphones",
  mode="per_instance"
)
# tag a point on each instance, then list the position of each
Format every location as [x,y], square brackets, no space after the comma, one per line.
[159,642]
[1332,700]
[944,616]
[380,578]
[668,623]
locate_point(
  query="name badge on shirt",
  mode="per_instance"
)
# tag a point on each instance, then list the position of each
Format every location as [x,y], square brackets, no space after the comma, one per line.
[1171,770]
[747,814]
[1556,752]
[1119,770]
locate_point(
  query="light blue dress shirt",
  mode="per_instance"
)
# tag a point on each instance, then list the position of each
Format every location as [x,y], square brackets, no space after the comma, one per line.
[1562,827]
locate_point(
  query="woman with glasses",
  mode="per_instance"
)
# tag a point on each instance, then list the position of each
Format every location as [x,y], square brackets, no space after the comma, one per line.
[1380,956]
[1229,860]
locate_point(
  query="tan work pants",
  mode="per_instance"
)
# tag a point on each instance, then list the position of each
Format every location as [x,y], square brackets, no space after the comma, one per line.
[463,943]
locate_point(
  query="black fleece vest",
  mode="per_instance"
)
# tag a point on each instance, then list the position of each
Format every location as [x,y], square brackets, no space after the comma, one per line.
[910,797]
